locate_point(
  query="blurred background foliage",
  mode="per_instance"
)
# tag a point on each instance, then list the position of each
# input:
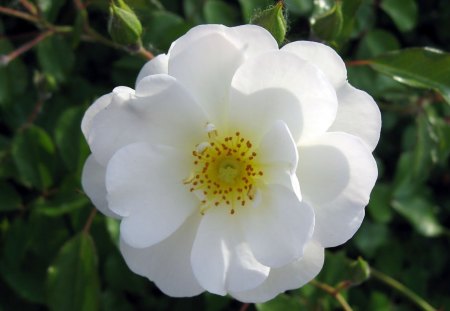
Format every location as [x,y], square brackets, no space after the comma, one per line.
[57,58]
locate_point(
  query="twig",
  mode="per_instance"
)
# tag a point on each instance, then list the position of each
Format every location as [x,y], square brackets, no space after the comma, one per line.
[87,225]
[145,53]
[29,6]
[362,62]
[405,291]
[334,293]
[244,307]
[18,14]
[5,59]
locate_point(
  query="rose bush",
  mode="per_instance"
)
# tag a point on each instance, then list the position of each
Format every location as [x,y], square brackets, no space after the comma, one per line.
[233,163]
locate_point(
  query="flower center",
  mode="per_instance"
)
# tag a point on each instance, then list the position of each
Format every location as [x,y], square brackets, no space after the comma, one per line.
[225,171]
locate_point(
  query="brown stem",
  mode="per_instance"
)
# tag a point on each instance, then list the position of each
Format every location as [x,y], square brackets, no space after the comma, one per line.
[145,53]
[362,62]
[29,6]
[87,225]
[334,293]
[18,14]
[5,59]
[244,307]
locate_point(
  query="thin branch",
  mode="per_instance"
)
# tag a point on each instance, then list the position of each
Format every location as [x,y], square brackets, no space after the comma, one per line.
[405,291]
[5,59]
[18,14]
[334,293]
[362,62]
[145,53]
[244,307]
[87,225]
[29,6]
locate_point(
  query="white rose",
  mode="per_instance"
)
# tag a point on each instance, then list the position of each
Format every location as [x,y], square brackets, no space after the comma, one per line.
[234,163]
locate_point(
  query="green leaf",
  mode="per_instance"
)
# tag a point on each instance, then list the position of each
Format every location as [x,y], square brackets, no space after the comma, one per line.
[61,205]
[13,76]
[56,57]
[124,26]
[371,237]
[72,280]
[417,67]
[282,302]
[349,12]
[404,13]
[69,139]
[24,278]
[328,25]
[219,12]
[273,20]
[376,42]
[50,8]
[161,28]
[33,152]
[421,213]
[380,203]
[9,198]
[299,7]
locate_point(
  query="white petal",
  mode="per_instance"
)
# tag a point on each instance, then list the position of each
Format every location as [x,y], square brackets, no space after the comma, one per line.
[337,173]
[145,186]
[278,147]
[93,182]
[92,111]
[279,227]
[323,57]
[157,65]
[221,260]
[160,112]
[357,114]
[291,276]
[205,68]
[281,86]
[252,40]
[167,263]
[278,154]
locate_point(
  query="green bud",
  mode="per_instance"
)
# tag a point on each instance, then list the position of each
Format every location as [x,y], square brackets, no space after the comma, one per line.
[273,20]
[359,271]
[124,26]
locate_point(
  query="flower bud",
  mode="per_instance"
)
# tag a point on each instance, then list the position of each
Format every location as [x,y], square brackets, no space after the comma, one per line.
[124,26]
[273,20]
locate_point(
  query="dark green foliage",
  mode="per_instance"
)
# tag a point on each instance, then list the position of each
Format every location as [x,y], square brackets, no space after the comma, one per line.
[50,259]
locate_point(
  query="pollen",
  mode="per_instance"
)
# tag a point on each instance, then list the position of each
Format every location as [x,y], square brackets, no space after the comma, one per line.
[225,171]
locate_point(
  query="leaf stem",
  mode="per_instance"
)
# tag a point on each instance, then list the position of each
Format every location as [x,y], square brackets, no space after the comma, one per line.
[405,291]
[334,293]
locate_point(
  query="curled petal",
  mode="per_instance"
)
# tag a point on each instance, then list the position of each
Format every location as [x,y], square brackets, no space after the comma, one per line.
[221,259]
[323,57]
[145,186]
[93,182]
[358,114]
[291,276]
[279,227]
[157,65]
[147,115]
[168,262]
[337,173]
[281,86]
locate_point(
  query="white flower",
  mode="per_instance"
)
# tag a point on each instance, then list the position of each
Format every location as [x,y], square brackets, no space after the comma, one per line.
[234,163]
